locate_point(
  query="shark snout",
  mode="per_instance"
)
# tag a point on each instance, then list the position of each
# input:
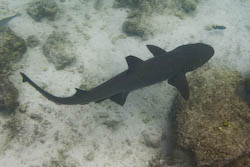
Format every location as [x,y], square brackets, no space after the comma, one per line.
[205,52]
[210,51]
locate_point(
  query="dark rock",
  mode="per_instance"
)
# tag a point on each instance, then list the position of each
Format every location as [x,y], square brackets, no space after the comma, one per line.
[98,4]
[189,5]
[43,9]
[12,49]
[59,50]
[243,161]
[151,138]
[212,123]
[8,95]
[32,41]
[112,124]
[134,28]
[140,12]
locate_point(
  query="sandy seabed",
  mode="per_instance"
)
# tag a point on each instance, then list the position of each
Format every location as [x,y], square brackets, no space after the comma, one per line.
[105,134]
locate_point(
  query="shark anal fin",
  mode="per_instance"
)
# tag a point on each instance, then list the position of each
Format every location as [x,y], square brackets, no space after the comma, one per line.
[156,51]
[99,101]
[133,62]
[180,82]
[119,98]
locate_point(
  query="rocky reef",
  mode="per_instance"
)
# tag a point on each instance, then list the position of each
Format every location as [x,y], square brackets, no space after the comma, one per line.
[40,9]
[12,48]
[140,11]
[8,95]
[214,124]
[58,49]
[32,41]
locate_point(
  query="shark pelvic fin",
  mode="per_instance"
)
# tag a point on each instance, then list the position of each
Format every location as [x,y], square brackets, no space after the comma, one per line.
[180,82]
[133,62]
[120,98]
[156,51]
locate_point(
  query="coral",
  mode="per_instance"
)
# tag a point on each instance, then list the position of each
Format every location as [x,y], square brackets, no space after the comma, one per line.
[98,4]
[243,161]
[43,9]
[151,138]
[12,49]
[125,3]
[213,124]
[136,27]
[188,5]
[32,41]
[8,95]
[141,4]
[137,23]
[141,10]
[59,50]
[90,156]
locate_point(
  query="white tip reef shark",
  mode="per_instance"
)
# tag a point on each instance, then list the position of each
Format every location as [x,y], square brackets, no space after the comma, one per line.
[171,66]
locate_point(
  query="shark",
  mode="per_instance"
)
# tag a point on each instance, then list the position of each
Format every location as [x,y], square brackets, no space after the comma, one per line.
[171,66]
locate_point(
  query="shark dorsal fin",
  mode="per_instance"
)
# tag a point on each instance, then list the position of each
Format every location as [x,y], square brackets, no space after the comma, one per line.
[156,51]
[119,98]
[133,62]
[180,82]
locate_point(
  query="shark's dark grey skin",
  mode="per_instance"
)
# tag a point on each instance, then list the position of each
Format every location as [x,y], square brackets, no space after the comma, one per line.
[6,20]
[164,65]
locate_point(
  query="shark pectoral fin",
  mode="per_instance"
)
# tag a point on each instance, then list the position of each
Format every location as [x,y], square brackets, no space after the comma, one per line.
[180,82]
[120,98]
[156,51]
[133,62]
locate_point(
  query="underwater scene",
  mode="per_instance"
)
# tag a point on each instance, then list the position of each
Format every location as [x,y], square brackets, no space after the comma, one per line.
[124,83]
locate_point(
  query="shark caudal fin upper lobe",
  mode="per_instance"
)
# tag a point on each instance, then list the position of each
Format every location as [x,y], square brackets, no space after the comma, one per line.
[25,78]
[77,98]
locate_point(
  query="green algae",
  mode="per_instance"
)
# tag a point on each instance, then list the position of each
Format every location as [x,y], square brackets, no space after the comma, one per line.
[213,124]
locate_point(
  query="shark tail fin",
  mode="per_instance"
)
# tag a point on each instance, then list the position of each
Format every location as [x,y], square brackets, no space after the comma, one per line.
[75,99]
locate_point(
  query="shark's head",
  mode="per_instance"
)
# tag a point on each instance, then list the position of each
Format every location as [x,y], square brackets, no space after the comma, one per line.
[196,55]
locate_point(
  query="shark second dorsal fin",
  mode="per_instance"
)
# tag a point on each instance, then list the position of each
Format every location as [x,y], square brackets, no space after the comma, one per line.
[180,82]
[80,92]
[133,62]
[156,51]
[119,98]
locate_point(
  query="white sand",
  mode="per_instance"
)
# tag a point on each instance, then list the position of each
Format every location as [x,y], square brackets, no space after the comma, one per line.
[65,135]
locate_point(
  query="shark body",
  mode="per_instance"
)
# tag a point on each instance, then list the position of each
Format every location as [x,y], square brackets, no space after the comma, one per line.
[170,66]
